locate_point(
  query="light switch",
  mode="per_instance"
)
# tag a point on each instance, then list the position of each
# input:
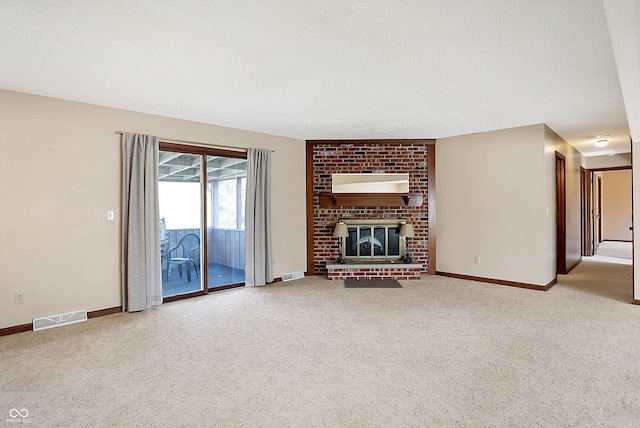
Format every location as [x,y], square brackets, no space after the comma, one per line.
[111,215]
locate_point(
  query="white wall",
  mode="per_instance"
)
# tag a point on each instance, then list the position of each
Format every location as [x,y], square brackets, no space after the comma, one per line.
[616,205]
[496,196]
[60,173]
[602,162]
[491,204]
[624,29]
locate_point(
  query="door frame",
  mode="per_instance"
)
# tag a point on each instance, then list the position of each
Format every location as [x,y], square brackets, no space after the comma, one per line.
[599,203]
[561,215]
[586,211]
[595,198]
[204,268]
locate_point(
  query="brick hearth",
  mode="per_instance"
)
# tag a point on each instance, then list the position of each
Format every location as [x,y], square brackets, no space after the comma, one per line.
[374,271]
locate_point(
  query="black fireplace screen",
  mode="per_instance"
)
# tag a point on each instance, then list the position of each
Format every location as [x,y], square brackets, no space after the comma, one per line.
[372,241]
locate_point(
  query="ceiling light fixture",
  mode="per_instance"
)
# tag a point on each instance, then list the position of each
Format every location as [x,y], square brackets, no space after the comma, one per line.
[602,143]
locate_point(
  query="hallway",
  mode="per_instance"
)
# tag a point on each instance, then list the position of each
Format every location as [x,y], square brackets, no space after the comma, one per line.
[608,274]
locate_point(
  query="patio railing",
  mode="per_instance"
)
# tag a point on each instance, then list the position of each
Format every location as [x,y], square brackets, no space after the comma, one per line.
[225,246]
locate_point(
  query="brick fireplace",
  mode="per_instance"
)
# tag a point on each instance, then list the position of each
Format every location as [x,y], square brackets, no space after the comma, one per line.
[415,157]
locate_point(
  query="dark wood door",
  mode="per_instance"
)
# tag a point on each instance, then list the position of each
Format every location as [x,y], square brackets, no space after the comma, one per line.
[561,216]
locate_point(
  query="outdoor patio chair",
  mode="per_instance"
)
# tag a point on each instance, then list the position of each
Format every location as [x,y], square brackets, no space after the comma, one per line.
[184,255]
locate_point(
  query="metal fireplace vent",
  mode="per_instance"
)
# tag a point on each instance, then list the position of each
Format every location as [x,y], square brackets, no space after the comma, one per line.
[51,321]
[291,276]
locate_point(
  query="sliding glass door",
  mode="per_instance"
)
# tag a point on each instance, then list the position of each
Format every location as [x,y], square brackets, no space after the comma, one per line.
[180,199]
[226,180]
[195,184]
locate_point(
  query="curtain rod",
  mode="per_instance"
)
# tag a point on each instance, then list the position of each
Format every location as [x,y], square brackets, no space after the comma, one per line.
[174,140]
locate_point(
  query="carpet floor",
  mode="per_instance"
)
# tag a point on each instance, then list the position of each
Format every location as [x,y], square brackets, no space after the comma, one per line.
[615,252]
[440,352]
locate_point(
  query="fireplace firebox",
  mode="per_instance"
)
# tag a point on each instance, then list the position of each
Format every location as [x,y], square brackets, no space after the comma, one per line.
[373,240]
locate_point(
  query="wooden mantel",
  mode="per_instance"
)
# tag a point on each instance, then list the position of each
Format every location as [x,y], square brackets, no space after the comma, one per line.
[328,199]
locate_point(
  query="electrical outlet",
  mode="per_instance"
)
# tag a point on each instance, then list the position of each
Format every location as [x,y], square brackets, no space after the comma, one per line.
[19,298]
[477,260]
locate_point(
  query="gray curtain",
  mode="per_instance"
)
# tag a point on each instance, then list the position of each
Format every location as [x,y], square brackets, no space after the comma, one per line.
[141,269]
[258,257]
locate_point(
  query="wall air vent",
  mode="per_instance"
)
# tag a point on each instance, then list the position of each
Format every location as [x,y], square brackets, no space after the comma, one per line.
[51,321]
[293,275]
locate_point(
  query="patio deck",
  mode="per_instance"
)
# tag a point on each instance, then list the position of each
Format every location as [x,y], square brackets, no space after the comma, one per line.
[219,275]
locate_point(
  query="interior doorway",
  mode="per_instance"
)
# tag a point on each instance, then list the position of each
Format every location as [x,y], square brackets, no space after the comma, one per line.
[606,198]
[610,198]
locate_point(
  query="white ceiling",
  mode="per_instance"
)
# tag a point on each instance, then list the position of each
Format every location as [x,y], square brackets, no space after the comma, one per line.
[327,69]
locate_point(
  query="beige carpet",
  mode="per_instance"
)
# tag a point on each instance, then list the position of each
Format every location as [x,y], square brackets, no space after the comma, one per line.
[612,250]
[439,352]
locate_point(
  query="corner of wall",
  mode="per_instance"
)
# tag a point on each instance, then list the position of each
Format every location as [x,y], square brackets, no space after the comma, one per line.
[491,195]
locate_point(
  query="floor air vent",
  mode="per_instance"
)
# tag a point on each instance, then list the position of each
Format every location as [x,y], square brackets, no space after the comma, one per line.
[292,276]
[51,321]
